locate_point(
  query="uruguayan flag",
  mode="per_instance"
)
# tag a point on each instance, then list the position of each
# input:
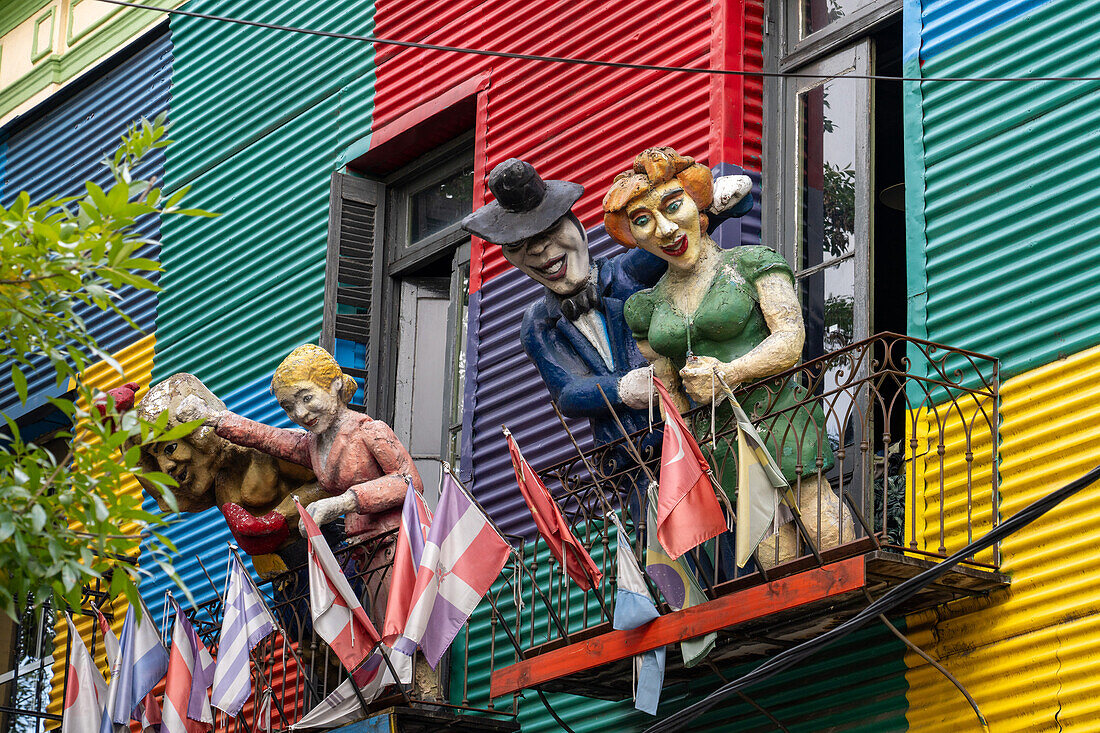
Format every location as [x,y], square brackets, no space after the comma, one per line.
[634,607]
[245,623]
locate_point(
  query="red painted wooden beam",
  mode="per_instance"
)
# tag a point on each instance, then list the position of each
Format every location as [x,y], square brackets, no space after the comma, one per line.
[752,603]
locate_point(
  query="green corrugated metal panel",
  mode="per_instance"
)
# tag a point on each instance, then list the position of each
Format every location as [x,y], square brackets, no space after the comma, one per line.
[259,118]
[233,85]
[1012,199]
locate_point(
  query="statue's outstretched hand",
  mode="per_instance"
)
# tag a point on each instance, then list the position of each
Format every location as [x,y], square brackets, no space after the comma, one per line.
[324,511]
[192,407]
[635,388]
[728,190]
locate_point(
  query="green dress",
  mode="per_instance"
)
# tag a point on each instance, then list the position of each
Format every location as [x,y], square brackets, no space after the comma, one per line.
[727,325]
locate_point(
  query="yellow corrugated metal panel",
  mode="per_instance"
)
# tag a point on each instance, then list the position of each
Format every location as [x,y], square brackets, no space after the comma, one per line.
[137,364]
[953,467]
[1029,655]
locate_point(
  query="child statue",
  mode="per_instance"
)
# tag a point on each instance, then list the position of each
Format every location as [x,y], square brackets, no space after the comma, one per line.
[358,460]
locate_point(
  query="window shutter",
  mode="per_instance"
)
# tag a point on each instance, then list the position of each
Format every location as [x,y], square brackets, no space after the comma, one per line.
[352,279]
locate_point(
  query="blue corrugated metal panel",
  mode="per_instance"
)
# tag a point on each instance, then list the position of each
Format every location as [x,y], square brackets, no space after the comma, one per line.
[53,150]
[205,534]
[948,23]
[1001,281]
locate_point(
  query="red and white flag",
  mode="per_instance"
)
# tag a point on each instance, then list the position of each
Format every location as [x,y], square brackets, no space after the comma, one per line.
[564,545]
[190,674]
[416,518]
[688,512]
[86,691]
[338,616]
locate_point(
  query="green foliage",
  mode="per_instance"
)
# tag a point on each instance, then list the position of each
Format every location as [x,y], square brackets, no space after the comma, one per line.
[64,520]
[839,208]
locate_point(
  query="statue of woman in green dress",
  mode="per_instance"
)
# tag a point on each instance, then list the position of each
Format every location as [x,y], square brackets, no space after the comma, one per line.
[733,312]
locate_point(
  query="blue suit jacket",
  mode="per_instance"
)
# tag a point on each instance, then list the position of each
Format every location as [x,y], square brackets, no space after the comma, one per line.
[569,364]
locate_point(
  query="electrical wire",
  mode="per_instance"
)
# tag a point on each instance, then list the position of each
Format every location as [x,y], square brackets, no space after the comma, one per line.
[890,600]
[591,62]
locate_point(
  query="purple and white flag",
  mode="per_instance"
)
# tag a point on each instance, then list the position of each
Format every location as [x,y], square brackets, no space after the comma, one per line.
[462,557]
[141,664]
[246,622]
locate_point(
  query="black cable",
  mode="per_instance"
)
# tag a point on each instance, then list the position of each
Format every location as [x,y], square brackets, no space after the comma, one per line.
[590,62]
[888,601]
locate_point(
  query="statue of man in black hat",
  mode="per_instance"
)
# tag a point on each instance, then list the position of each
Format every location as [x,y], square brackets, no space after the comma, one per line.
[575,334]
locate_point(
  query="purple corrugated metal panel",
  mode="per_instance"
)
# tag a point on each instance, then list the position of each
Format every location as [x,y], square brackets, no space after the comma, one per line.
[950,22]
[54,149]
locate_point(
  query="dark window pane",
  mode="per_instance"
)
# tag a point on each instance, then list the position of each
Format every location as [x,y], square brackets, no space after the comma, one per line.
[816,14]
[436,207]
[828,173]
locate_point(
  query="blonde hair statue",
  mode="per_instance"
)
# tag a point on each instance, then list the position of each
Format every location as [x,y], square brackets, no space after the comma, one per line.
[358,460]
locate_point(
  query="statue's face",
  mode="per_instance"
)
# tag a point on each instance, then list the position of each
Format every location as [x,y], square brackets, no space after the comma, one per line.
[310,406]
[190,465]
[557,258]
[665,222]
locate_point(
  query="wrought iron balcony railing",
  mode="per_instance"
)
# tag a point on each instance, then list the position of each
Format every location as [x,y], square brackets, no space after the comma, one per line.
[901,445]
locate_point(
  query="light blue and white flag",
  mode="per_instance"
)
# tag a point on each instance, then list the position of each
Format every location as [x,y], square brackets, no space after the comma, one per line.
[141,664]
[245,623]
[634,607]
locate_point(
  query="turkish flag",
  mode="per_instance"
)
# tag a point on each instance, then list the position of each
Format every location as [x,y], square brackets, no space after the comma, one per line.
[688,512]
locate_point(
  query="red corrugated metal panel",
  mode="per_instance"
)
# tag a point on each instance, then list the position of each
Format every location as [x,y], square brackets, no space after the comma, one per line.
[579,123]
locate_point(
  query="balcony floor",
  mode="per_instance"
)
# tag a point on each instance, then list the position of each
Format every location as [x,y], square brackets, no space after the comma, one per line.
[752,622]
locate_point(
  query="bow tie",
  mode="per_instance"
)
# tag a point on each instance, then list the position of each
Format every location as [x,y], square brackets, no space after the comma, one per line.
[578,304]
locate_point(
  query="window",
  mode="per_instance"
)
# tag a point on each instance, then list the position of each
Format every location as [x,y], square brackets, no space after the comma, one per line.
[832,148]
[397,280]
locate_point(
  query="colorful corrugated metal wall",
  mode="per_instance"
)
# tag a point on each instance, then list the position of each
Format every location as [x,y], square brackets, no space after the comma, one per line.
[260,117]
[57,147]
[1002,278]
[1005,281]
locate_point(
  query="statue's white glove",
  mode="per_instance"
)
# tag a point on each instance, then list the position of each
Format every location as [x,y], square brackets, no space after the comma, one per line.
[324,511]
[635,387]
[728,190]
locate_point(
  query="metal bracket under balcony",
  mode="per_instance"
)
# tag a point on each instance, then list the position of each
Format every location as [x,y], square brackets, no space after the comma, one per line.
[752,623]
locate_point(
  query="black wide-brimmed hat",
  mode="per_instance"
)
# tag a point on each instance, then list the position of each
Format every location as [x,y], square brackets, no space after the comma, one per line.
[525,204]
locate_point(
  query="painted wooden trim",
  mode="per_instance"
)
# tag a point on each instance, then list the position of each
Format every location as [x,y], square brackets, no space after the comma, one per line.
[37,54]
[17,12]
[721,613]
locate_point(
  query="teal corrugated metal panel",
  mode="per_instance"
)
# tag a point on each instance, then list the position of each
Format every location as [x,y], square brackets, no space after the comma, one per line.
[1012,199]
[244,289]
[950,22]
[233,85]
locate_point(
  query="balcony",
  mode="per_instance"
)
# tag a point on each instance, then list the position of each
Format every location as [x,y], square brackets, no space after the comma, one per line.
[911,427]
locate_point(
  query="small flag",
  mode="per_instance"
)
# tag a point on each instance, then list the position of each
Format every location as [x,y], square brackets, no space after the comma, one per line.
[245,623]
[86,692]
[342,705]
[764,497]
[338,616]
[148,710]
[190,673]
[634,607]
[415,521]
[564,545]
[141,664]
[688,513]
[677,584]
[462,557]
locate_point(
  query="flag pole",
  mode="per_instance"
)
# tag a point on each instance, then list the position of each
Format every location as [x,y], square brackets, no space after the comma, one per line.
[515,553]
[587,465]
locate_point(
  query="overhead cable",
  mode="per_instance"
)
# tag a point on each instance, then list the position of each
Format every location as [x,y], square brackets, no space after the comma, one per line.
[590,62]
[890,600]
